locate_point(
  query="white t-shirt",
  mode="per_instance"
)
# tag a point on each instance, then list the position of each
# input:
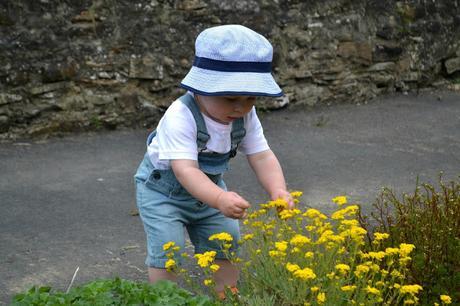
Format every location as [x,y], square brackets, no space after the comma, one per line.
[176,136]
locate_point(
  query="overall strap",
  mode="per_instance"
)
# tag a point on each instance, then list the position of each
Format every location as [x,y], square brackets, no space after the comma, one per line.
[238,133]
[150,137]
[202,135]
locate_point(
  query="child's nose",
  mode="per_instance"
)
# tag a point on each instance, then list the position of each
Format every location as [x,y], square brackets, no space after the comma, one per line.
[241,105]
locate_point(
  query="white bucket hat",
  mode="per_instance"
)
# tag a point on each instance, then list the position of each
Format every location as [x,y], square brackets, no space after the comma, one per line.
[232,60]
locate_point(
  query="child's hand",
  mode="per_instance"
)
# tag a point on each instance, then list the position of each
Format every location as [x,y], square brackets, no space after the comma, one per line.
[285,195]
[232,205]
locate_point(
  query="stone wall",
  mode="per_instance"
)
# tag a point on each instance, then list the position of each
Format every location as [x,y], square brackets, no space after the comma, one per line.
[72,65]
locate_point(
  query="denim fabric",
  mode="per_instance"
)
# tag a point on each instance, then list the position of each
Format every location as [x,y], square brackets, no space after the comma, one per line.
[167,210]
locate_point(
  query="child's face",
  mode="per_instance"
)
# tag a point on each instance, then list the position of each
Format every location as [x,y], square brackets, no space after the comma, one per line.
[225,109]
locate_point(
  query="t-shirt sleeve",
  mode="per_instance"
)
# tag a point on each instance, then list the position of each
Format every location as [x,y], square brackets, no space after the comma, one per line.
[177,134]
[254,141]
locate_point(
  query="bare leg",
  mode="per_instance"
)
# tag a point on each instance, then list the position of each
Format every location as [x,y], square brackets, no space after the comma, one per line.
[226,276]
[156,274]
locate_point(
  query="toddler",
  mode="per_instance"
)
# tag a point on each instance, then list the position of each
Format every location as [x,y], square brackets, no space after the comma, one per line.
[179,183]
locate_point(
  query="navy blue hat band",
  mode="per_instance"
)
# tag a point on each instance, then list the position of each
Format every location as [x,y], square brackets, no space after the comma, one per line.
[229,66]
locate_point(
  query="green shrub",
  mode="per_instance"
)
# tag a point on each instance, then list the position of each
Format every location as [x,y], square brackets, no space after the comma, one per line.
[429,219]
[113,292]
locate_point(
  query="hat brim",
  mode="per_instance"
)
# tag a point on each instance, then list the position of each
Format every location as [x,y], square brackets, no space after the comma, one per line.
[221,83]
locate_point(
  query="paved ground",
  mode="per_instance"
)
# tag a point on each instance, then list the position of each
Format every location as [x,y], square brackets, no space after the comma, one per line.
[65,203]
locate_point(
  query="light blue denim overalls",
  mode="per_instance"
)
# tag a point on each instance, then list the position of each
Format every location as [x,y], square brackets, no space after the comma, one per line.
[166,207]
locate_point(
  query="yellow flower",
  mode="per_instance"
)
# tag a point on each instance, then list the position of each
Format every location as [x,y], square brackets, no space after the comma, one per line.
[314,213]
[207,282]
[392,251]
[356,233]
[168,245]
[170,264]
[372,266]
[214,268]
[361,269]
[404,260]
[292,267]
[343,268]
[330,275]
[325,236]
[278,203]
[305,274]
[314,289]
[350,223]
[206,258]
[221,236]
[372,290]
[248,237]
[296,194]
[281,246]
[274,253]
[348,288]
[405,249]
[340,200]
[376,255]
[347,211]
[411,289]
[445,299]
[299,240]
[309,255]
[396,273]
[409,302]
[381,236]
[321,298]
[288,213]
[258,251]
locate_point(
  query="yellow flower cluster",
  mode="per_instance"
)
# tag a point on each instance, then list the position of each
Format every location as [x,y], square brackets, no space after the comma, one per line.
[170,264]
[342,268]
[299,240]
[289,213]
[445,299]
[170,248]
[221,237]
[278,203]
[313,214]
[168,245]
[321,258]
[340,200]
[381,236]
[203,260]
[345,212]
[410,289]
[304,274]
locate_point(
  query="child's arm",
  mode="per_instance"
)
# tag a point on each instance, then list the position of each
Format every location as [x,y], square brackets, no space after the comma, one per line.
[202,188]
[270,175]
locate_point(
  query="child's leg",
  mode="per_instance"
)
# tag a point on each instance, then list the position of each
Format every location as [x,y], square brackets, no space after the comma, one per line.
[156,274]
[226,276]
[162,223]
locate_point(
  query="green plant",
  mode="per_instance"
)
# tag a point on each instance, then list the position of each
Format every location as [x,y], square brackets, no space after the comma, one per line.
[113,292]
[293,258]
[429,219]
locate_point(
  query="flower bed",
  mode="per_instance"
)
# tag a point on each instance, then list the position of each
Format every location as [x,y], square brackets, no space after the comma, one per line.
[289,257]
